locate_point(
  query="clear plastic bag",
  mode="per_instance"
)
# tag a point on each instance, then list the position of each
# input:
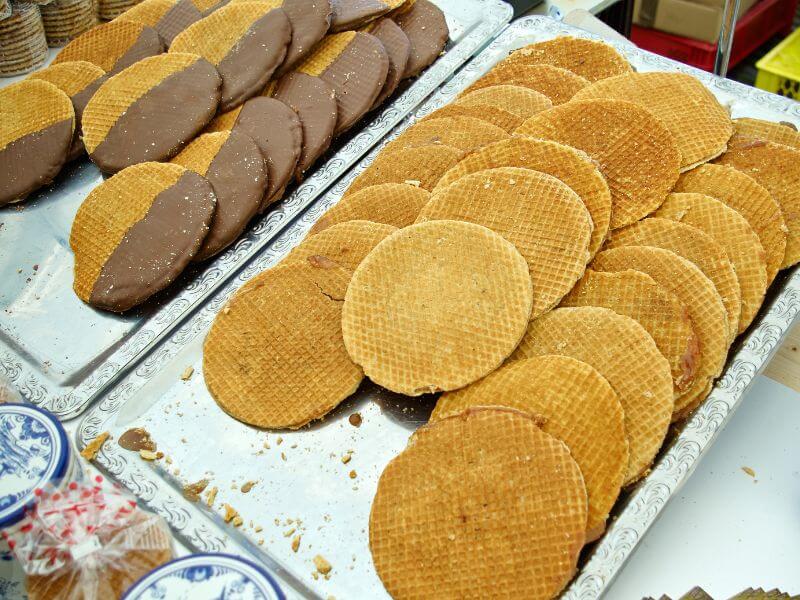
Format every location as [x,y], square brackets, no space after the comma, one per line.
[87,543]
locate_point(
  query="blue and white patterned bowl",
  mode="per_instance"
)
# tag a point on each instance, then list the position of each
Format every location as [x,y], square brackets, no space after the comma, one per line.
[206,577]
[34,451]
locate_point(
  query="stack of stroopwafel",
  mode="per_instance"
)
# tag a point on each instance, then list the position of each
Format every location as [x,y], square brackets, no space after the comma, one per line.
[23,44]
[66,19]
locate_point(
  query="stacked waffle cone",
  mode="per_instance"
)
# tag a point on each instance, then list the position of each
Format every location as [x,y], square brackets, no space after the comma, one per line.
[566,254]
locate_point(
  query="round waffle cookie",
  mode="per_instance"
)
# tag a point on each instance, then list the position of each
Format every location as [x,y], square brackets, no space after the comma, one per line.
[311,20]
[235,168]
[396,204]
[636,295]
[136,232]
[464,133]
[150,110]
[777,168]
[352,14]
[520,101]
[699,123]
[277,131]
[624,353]
[635,151]
[111,9]
[436,306]
[732,231]
[148,12]
[356,65]
[556,83]
[113,46]
[503,119]
[697,293]
[544,219]
[23,44]
[346,244]
[426,28]
[487,482]
[741,193]
[571,166]
[781,133]
[245,41]
[79,80]
[422,167]
[314,102]
[177,17]
[398,49]
[579,408]
[282,328]
[37,122]
[65,20]
[696,247]
[587,58]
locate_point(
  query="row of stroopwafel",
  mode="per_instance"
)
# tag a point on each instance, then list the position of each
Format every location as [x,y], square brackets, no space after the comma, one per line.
[568,252]
[212,104]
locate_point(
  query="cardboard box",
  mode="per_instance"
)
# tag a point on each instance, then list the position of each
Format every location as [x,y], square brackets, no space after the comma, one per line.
[696,19]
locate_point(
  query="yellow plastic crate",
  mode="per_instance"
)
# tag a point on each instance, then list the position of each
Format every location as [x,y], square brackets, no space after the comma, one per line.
[779,70]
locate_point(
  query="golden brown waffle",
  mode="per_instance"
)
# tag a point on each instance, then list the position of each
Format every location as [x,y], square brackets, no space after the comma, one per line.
[696,292]
[589,59]
[274,356]
[571,166]
[748,198]
[70,77]
[781,133]
[557,84]
[464,133]
[636,295]
[112,46]
[111,9]
[345,244]
[699,123]
[36,132]
[487,482]
[23,44]
[578,407]
[544,219]
[732,231]
[421,167]
[695,246]
[234,166]
[777,168]
[147,12]
[396,204]
[188,74]
[625,354]
[125,243]
[520,101]
[64,20]
[635,151]
[245,41]
[436,306]
[503,119]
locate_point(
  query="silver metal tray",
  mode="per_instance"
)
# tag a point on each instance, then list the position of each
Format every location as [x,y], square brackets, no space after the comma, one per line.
[309,481]
[61,353]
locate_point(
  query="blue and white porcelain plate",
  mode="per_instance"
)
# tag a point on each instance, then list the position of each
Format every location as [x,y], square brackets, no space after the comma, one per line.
[34,451]
[206,577]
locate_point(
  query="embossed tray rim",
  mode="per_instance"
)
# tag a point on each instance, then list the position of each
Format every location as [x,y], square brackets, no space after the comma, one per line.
[674,464]
[69,402]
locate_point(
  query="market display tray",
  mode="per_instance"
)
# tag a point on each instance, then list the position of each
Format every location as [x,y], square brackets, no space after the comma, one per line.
[302,485]
[61,353]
